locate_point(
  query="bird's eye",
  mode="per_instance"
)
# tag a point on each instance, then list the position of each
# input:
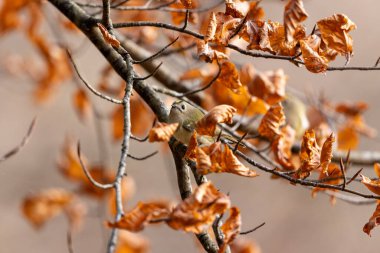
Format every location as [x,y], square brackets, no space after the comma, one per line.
[183,107]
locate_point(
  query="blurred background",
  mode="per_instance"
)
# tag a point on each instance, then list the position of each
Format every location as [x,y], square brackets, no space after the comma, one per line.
[295,222]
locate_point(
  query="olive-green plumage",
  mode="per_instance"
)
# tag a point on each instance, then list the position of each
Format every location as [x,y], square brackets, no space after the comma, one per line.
[296,115]
[187,116]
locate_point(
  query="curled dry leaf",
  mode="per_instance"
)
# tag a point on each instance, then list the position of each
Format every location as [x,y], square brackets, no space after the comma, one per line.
[218,114]
[372,185]
[219,158]
[242,100]
[231,228]
[211,28]
[82,104]
[269,86]
[198,211]
[108,37]
[162,132]
[192,146]
[294,15]
[309,156]
[373,222]
[327,153]
[376,168]
[136,219]
[332,177]
[229,76]
[348,138]
[272,121]
[334,32]
[351,109]
[237,8]
[40,207]
[282,147]
[131,243]
[207,54]
[313,61]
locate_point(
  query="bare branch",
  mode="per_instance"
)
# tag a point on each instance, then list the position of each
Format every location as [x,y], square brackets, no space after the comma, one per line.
[88,174]
[92,89]
[253,229]
[23,142]
[156,54]
[144,157]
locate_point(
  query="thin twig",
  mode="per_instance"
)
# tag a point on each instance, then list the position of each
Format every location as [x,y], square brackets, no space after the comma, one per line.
[69,241]
[150,75]
[88,174]
[107,22]
[23,142]
[205,87]
[253,229]
[144,157]
[157,54]
[92,89]
[354,176]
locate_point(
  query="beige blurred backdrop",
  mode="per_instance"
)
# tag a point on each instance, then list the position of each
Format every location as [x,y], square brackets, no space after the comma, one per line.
[294,221]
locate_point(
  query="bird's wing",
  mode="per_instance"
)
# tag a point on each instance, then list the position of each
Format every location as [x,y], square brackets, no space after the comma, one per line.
[189,125]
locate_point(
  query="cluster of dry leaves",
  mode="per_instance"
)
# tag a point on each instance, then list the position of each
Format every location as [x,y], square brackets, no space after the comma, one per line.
[244,91]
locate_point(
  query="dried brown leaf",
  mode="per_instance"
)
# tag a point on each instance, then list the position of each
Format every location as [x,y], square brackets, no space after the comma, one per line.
[218,114]
[272,121]
[334,32]
[294,15]
[327,152]
[198,211]
[372,185]
[136,219]
[231,228]
[162,132]
[108,37]
[373,222]
[40,207]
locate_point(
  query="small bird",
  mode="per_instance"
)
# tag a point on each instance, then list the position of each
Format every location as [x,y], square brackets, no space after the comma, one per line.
[187,116]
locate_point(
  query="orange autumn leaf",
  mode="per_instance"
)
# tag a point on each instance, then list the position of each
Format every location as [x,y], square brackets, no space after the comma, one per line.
[162,132]
[219,158]
[327,152]
[218,114]
[272,121]
[82,104]
[309,156]
[203,162]
[229,76]
[334,32]
[372,185]
[351,109]
[373,222]
[269,86]
[231,228]
[207,53]
[233,165]
[136,219]
[376,168]
[40,207]
[197,212]
[294,15]
[242,100]
[348,138]
[314,62]
[187,3]
[211,28]
[236,8]
[282,147]
[192,146]
[108,37]
[131,243]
